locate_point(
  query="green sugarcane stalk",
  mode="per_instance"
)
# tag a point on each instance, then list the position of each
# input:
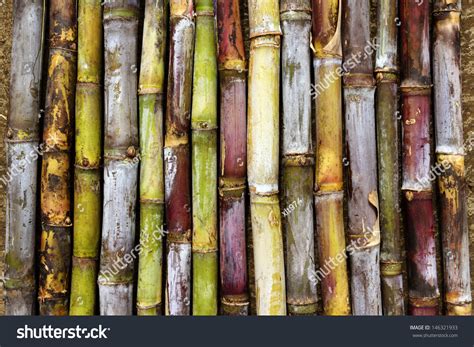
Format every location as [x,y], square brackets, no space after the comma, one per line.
[204,162]
[87,192]
[388,149]
[152,188]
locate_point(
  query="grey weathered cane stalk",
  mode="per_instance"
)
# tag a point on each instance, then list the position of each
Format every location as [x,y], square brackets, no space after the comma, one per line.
[297,156]
[22,154]
[120,157]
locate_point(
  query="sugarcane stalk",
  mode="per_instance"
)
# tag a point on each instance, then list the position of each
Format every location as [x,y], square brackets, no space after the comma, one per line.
[177,159]
[204,162]
[416,158]
[55,247]
[22,154]
[118,253]
[263,151]
[233,159]
[87,192]
[388,146]
[450,155]
[297,157]
[328,188]
[152,184]
[363,205]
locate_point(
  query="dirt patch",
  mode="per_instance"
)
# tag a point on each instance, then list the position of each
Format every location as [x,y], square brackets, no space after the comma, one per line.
[467,64]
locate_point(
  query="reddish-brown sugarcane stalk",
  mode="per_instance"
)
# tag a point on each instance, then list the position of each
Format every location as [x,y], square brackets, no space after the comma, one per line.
[297,157]
[363,205]
[388,147]
[233,168]
[55,248]
[328,188]
[417,184]
[177,158]
[450,156]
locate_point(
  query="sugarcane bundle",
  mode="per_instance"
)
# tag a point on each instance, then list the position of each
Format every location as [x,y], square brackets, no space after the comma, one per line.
[328,188]
[87,180]
[204,162]
[263,150]
[416,160]
[55,247]
[152,184]
[233,159]
[297,156]
[22,155]
[450,156]
[388,146]
[363,205]
[177,158]
[120,157]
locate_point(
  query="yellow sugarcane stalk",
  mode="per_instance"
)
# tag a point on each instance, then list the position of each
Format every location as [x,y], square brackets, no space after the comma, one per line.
[263,152]
[329,179]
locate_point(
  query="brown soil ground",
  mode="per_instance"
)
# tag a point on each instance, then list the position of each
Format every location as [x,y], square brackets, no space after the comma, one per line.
[468,106]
